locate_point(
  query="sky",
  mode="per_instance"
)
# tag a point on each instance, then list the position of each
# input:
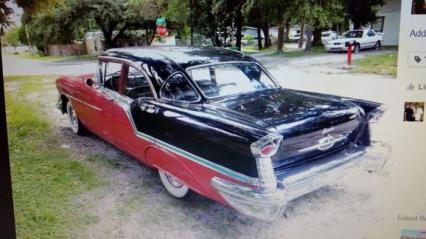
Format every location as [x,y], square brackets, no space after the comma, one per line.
[17,13]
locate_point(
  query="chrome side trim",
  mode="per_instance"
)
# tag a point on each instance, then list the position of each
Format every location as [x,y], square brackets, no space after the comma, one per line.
[83,102]
[124,103]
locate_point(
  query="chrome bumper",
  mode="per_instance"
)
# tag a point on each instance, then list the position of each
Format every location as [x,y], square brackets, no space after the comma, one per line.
[298,181]
[336,48]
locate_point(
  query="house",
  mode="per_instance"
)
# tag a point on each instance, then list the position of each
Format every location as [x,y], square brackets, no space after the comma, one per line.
[94,42]
[388,21]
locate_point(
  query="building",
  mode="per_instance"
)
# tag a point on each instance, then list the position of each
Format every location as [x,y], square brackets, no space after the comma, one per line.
[388,20]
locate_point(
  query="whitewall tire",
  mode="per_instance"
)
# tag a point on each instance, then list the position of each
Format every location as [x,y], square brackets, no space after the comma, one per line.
[173,185]
[74,121]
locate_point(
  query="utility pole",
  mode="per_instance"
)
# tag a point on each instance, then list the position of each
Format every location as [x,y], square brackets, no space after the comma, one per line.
[28,39]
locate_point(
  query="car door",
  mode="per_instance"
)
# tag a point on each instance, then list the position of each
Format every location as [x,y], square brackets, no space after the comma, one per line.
[100,97]
[136,85]
[370,39]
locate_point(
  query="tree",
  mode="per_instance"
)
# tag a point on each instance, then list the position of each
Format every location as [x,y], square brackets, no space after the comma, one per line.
[280,13]
[5,12]
[12,36]
[361,12]
[317,15]
[179,15]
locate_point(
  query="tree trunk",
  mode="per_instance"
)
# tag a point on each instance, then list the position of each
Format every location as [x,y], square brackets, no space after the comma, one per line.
[259,38]
[302,32]
[280,41]
[267,41]
[150,35]
[225,36]
[357,25]
[317,37]
[239,26]
[216,40]
[192,36]
[191,16]
[287,31]
[108,40]
[308,46]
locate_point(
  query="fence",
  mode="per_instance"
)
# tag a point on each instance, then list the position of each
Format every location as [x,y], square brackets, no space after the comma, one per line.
[66,50]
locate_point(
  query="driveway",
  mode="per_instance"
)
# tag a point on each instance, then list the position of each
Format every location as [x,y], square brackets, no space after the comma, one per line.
[14,65]
[134,204]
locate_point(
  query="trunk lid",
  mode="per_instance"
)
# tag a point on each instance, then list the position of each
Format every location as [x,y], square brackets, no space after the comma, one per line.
[311,125]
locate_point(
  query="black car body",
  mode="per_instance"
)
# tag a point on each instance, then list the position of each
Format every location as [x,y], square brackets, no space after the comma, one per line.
[254,145]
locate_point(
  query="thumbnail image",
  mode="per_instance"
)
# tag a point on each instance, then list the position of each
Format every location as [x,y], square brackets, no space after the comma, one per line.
[418,7]
[413,234]
[414,111]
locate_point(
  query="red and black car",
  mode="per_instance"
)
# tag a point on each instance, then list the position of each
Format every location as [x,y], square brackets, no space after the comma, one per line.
[214,121]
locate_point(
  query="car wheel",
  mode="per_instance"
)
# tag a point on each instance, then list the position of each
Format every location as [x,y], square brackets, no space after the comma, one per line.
[173,185]
[378,45]
[356,49]
[75,124]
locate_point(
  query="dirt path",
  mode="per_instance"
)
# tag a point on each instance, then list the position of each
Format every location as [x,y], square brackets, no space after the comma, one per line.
[133,204]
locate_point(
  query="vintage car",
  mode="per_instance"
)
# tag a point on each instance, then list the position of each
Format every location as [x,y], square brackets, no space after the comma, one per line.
[359,39]
[215,122]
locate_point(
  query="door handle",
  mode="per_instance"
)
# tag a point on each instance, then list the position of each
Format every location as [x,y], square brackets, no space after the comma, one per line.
[147,107]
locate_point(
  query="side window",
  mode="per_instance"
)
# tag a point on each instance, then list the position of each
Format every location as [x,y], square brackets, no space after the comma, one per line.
[100,70]
[178,88]
[112,75]
[136,84]
[371,33]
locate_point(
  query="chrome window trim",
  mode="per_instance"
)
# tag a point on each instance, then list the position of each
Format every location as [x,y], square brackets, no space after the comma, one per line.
[131,63]
[188,70]
[181,101]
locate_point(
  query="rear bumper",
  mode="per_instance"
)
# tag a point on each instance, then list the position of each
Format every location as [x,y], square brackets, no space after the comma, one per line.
[336,48]
[298,181]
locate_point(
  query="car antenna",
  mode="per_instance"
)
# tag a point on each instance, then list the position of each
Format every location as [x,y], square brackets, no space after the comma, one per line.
[77,45]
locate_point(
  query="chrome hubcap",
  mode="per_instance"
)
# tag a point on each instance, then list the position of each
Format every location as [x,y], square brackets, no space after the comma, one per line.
[73,118]
[174,181]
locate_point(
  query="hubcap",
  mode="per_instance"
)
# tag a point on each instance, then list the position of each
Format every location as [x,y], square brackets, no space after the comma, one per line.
[73,118]
[174,181]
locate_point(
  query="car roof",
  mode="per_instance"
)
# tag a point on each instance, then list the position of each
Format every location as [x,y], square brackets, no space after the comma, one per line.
[184,57]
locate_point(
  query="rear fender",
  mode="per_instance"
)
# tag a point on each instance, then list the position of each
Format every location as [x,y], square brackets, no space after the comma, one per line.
[170,163]
[373,110]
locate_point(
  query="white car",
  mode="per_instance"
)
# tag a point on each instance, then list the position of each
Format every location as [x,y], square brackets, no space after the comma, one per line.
[360,39]
[327,36]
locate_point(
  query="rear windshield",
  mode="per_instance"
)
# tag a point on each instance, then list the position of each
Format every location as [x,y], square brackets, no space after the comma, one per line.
[353,34]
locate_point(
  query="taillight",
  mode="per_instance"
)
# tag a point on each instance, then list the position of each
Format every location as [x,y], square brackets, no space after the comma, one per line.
[263,150]
[266,146]
[375,115]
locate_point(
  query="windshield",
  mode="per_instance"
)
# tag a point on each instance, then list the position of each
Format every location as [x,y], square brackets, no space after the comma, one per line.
[353,34]
[231,78]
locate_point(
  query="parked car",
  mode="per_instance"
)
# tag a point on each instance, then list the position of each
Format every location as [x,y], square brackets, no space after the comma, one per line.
[215,122]
[327,36]
[359,39]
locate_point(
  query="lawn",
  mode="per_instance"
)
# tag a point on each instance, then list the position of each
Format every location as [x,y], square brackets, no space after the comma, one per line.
[384,64]
[46,179]
[57,58]
[316,50]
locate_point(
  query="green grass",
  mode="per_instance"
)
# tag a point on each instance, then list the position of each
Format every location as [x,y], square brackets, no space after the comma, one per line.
[46,179]
[384,64]
[26,77]
[316,50]
[56,58]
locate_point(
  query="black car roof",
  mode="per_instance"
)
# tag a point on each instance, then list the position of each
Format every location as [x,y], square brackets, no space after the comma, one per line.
[185,57]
